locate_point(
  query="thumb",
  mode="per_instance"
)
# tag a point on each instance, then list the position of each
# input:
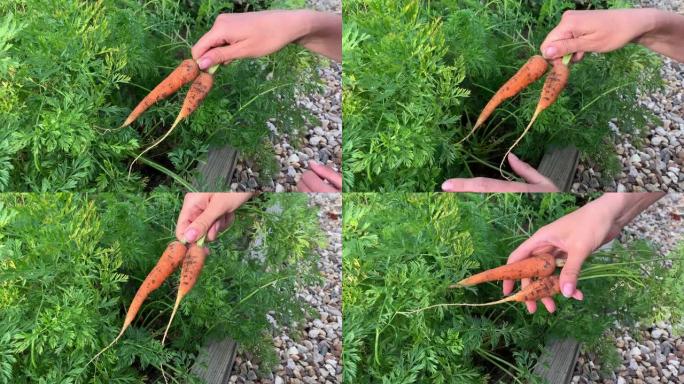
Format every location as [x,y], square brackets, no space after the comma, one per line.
[559,48]
[200,226]
[569,274]
[221,55]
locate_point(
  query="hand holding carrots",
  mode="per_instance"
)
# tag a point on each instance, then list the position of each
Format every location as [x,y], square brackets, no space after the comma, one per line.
[608,30]
[536,182]
[207,214]
[320,178]
[254,34]
[578,234]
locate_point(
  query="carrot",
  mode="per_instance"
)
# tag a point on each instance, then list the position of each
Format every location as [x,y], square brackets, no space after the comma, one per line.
[168,262]
[538,289]
[535,266]
[534,68]
[553,86]
[186,72]
[198,91]
[192,268]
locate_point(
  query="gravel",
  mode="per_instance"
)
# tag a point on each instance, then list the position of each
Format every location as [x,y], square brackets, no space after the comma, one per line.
[312,354]
[322,142]
[652,164]
[650,353]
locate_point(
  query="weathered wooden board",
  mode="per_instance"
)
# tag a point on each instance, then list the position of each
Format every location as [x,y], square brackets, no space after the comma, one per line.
[215,362]
[559,165]
[557,362]
[217,171]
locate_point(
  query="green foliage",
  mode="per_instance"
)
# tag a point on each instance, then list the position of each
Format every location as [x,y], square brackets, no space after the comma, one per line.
[77,68]
[417,75]
[402,251]
[70,264]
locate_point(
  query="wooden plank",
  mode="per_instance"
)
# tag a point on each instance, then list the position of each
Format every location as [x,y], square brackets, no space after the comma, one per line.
[215,361]
[559,165]
[217,171]
[557,362]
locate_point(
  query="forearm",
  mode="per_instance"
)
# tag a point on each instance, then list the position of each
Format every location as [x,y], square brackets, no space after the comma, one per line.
[622,208]
[324,33]
[665,34]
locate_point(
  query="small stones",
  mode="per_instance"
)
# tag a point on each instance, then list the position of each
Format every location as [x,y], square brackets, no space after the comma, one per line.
[660,150]
[310,354]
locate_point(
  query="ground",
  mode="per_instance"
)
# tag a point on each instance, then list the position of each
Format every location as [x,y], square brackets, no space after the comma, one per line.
[652,164]
[322,142]
[311,355]
[651,353]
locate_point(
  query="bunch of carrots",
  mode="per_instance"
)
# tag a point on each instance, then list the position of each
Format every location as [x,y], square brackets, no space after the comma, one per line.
[192,257]
[530,72]
[540,267]
[187,71]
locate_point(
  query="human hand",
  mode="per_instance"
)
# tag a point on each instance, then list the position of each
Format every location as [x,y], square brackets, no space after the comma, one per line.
[207,214]
[254,34]
[536,182]
[576,235]
[597,31]
[314,180]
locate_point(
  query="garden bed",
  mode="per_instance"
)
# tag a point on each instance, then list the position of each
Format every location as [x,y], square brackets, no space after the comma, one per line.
[401,253]
[70,264]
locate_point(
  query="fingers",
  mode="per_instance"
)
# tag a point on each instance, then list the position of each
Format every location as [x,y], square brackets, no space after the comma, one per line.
[193,205]
[212,39]
[221,55]
[219,204]
[530,174]
[483,185]
[569,274]
[315,184]
[302,187]
[327,173]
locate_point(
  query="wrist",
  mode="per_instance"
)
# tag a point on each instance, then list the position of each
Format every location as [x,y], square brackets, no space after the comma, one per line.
[652,21]
[304,24]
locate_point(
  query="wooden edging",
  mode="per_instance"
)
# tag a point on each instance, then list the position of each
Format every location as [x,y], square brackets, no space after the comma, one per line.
[557,363]
[215,361]
[216,173]
[559,165]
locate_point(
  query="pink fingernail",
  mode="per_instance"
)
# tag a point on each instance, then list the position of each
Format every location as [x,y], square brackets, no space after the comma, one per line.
[568,289]
[204,63]
[191,235]
[550,52]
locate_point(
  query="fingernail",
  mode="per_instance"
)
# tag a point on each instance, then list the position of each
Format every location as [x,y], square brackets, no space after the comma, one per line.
[191,235]
[568,289]
[204,63]
[445,186]
[550,52]
[513,156]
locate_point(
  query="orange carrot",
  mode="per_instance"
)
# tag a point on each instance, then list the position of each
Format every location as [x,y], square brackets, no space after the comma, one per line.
[553,86]
[192,268]
[538,289]
[533,69]
[168,262]
[535,266]
[186,72]
[198,91]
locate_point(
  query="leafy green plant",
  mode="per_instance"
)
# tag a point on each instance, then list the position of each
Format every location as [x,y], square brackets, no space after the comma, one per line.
[70,264]
[402,251]
[417,75]
[77,68]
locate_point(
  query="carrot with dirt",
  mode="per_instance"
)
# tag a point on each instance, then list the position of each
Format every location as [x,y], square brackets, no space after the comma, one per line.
[553,86]
[534,68]
[190,272]
[186,72]
[168,262]
[536,266]
[538,289]
[198,91]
